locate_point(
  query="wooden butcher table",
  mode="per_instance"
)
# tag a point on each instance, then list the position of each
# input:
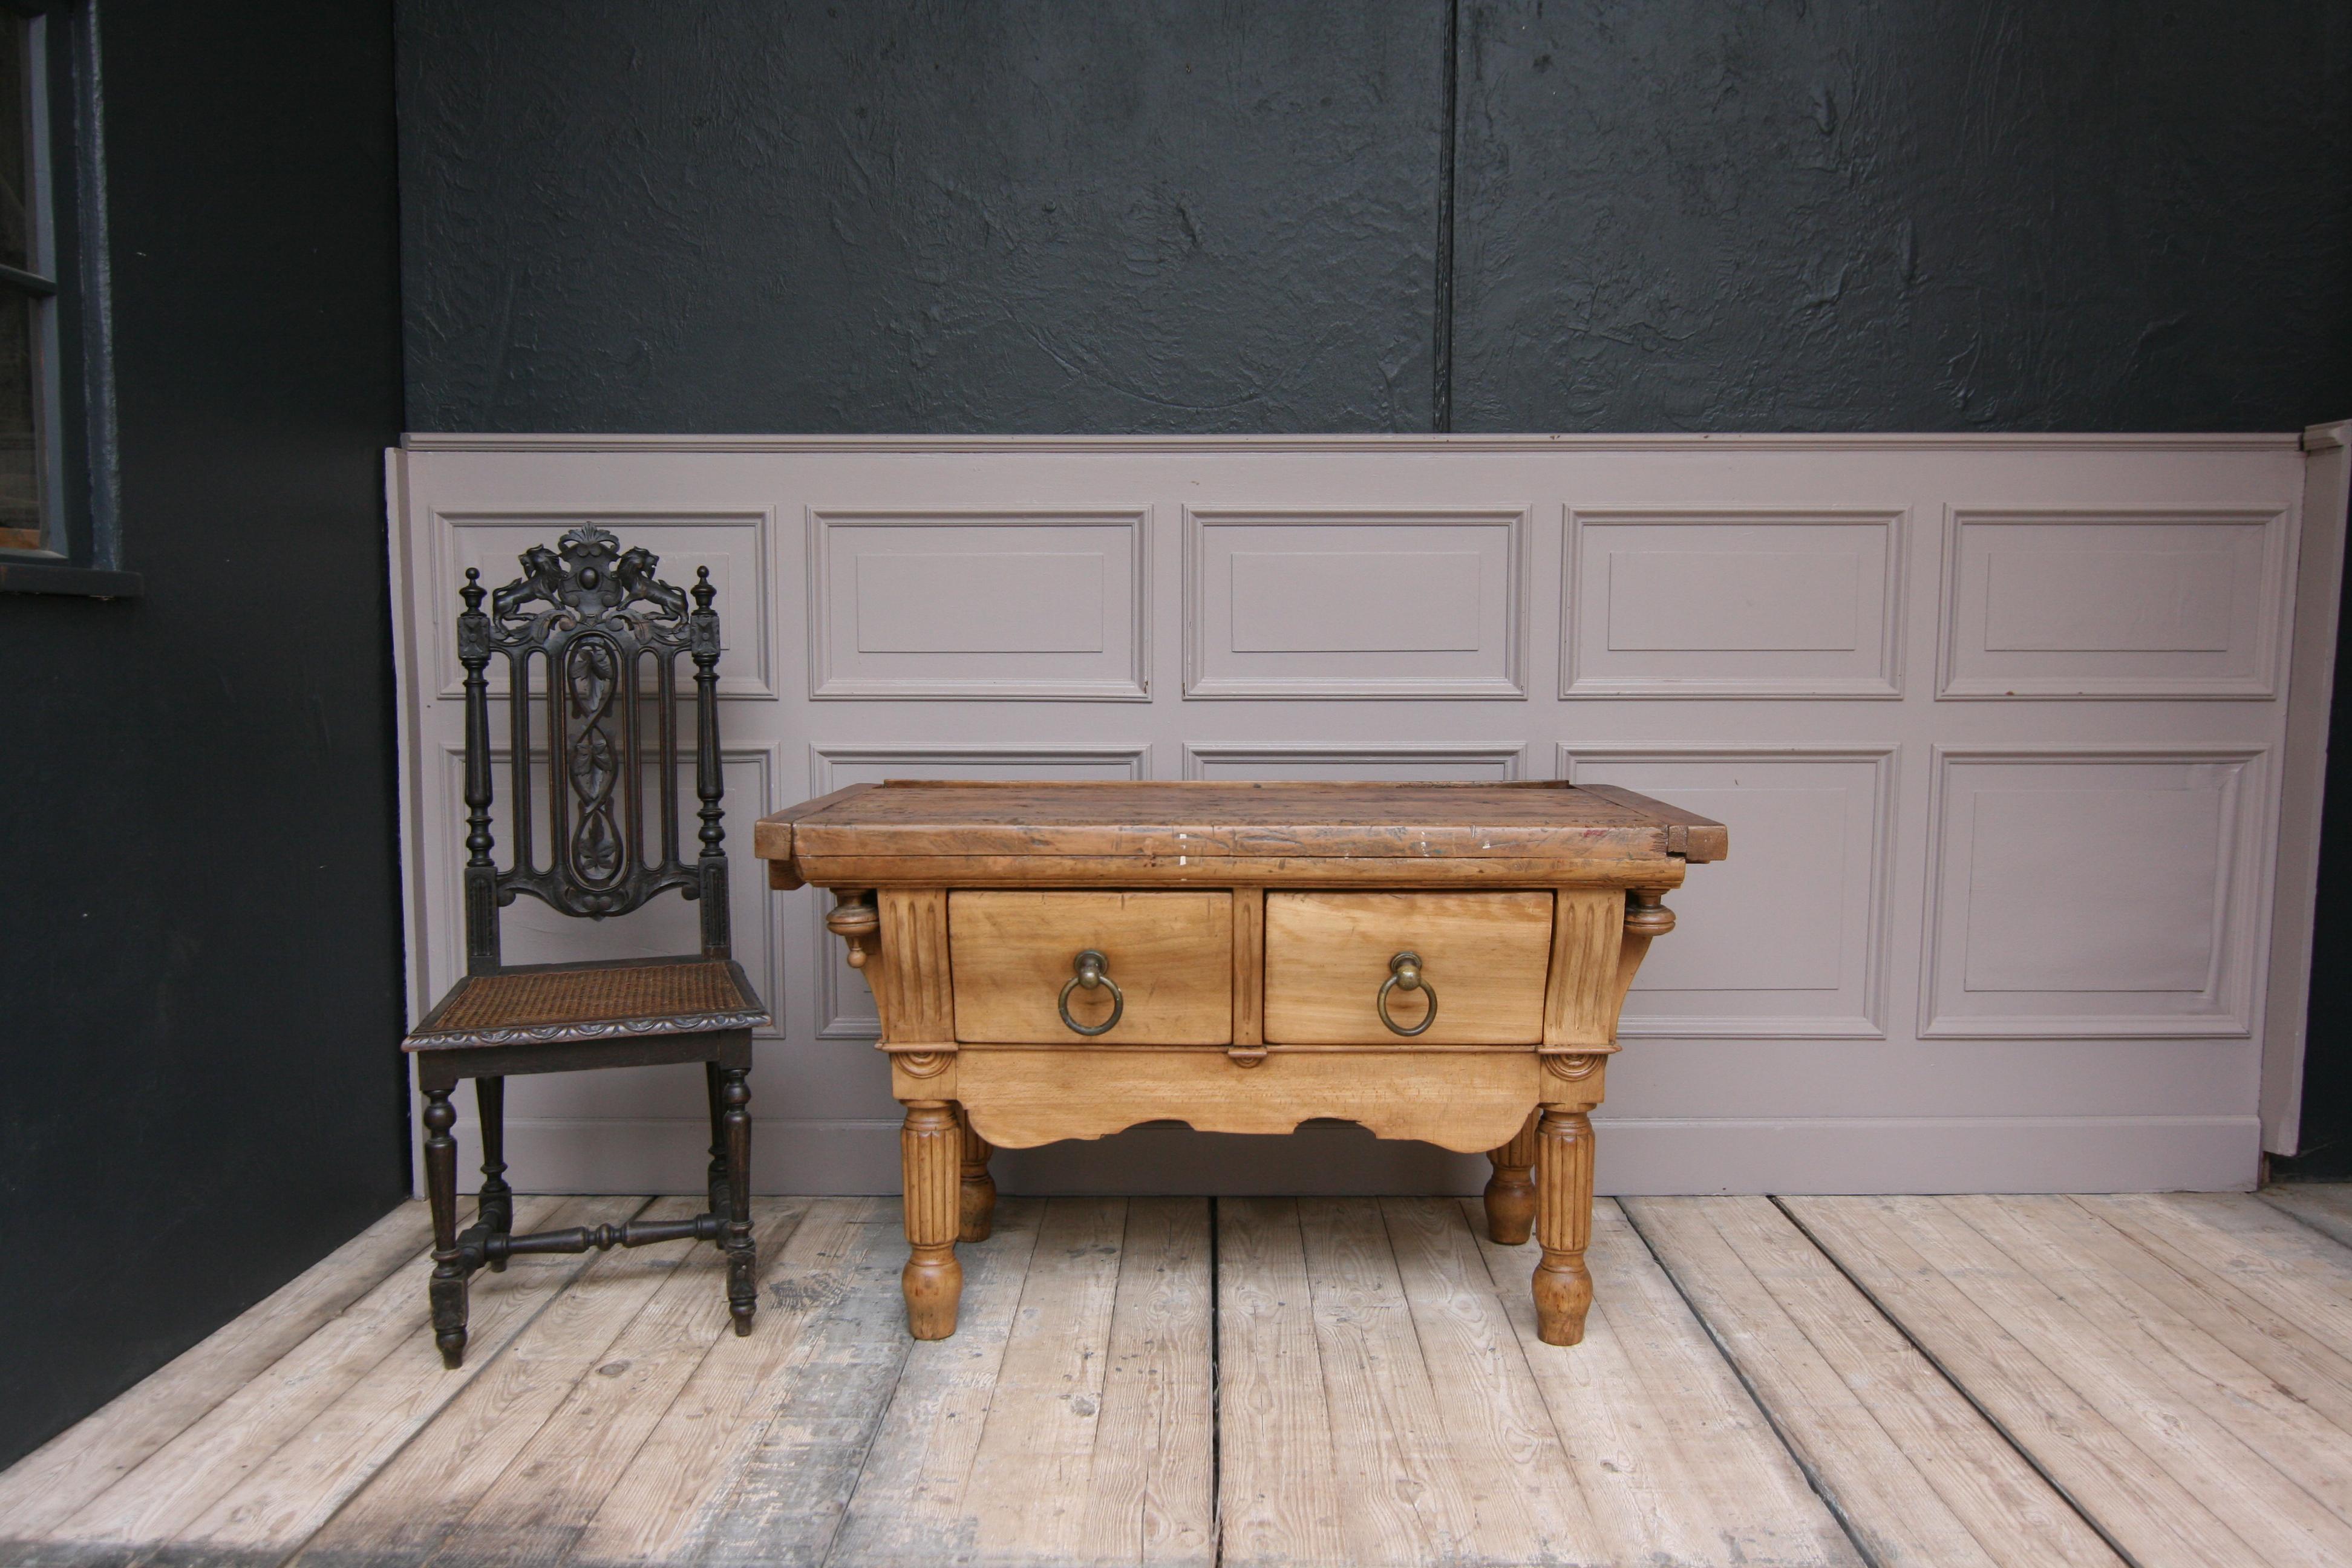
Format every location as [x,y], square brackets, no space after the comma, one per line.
[1439,962]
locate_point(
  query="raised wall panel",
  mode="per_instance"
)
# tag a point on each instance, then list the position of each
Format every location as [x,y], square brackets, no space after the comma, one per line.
[2124,602]
[531,932]
[733,544]
[1787,937]
[1353,603]
[1768,603]
[1415,762]
[845,1002]
[2093,892]
[978,605]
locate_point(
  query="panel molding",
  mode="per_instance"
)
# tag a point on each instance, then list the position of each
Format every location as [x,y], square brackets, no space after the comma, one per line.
[2126,441]
[1509,685]
[827,759]
[2239,941]
[825,683]
[2278,524]
[1871,1023]
[445,888]
[445,573]
[1887,683]
[1510,758]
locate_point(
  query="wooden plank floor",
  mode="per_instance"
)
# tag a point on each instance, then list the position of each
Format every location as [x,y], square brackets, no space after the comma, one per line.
[1955,1381]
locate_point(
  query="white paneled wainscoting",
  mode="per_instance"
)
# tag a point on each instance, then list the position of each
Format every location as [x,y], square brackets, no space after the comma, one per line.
[2020,740]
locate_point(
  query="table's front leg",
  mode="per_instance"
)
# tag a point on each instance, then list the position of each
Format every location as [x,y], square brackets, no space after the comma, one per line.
[930,1158]
[1563,1287]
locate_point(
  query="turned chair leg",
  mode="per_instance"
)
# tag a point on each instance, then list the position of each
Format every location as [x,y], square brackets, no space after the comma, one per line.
[495,1208]
[1563,1289]
[714,1086]
[977,1208]
[742,1257]
[447,1290]
[1511,1190]
[930,1159]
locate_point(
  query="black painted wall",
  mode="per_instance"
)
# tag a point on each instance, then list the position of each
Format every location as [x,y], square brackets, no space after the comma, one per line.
[1201,216]
[199,951]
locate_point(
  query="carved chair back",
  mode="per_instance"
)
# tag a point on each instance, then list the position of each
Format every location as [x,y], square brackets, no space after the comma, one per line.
[592,639]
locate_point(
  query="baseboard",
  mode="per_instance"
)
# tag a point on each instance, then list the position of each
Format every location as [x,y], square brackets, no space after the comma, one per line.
[1660,1155]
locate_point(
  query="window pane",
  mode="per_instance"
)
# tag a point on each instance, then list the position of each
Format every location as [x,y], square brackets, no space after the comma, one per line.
[20,455]
[16,141]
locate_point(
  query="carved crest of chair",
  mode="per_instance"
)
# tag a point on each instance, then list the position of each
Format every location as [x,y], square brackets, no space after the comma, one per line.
[604,636]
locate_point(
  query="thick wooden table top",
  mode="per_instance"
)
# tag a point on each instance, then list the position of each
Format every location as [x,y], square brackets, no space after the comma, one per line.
[1220,821]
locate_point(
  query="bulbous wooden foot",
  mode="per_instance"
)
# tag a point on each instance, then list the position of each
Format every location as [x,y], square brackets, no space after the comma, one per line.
[1563,1289]
[976,1210]
[930,1159]
[1511,1190]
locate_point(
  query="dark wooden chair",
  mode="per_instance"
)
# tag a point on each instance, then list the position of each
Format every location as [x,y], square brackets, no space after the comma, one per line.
[604,636]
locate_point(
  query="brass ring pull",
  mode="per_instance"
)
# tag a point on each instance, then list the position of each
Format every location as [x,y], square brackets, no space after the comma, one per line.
[1404,971]
[1091,973]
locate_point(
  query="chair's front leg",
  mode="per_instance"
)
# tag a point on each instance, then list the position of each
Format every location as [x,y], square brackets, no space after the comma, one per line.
[447,1289]
[742,1259]
[495,1208]
[930,1160]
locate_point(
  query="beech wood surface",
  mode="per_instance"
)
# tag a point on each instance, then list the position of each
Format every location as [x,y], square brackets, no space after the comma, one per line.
[1483,954]
[1170,954]
[1227,819]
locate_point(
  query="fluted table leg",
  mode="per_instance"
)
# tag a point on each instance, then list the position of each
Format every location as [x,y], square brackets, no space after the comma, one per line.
[1563,1224]
[978,1207]
[1511,1190]
[930,1156]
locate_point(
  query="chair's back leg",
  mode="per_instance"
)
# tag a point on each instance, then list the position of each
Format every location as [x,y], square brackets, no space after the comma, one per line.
[495,1208]
[719,1189]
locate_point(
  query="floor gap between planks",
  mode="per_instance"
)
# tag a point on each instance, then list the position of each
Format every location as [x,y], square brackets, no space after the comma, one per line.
[1264,1383]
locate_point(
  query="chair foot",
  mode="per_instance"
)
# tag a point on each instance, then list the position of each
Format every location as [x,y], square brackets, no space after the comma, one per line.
[448,1295]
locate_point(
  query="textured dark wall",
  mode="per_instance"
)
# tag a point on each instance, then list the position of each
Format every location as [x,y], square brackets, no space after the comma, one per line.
[1029,215]
[2006,216]
[1189,215]
[199,949]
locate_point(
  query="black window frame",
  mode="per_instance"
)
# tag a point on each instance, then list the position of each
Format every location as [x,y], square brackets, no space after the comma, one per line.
[80,550]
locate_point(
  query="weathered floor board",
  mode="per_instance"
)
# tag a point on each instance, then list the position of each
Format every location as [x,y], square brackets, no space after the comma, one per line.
[1958,1382]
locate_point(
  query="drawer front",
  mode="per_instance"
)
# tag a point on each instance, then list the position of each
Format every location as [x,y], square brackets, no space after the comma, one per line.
[1171,955]
[1486,956]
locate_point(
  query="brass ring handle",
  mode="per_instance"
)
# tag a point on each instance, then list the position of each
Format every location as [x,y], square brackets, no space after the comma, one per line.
[1090,971]
[1404,971]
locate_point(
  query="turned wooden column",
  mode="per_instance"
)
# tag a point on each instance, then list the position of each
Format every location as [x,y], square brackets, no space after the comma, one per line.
[977,1208]
[930,1154]
[1563,1183]
[1511,1190]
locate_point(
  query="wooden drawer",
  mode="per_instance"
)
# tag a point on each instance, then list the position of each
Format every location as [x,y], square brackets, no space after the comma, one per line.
[1171,955]
[1486,955]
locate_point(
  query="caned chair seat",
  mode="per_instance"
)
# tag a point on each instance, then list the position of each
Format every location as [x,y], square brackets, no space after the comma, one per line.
[531,1003]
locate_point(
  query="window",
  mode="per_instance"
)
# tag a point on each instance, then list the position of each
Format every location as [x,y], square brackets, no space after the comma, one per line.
[55,446]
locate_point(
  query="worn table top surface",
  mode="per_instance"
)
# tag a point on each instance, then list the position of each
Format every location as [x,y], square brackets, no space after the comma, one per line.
[1220,819]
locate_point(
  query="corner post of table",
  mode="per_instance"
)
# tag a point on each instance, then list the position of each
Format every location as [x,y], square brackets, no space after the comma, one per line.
[1511,1190]
[930,1152]
[1563,1182]
[977,1208]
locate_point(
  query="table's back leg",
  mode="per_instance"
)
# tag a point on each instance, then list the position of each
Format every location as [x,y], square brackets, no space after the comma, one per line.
[977,1208]
[1511,1190]
[930,1157]
[1563,1287]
